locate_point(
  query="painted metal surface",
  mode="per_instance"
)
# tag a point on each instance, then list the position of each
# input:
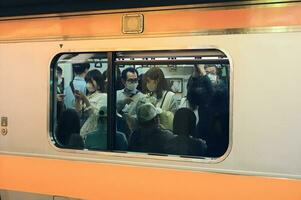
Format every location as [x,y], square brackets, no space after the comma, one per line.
[103,181]
[266,109]
[254,122]
[155,23]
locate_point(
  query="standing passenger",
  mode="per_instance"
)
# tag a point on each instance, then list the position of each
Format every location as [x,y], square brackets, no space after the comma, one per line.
[157,86]
[59,92]
[78,83]
[213,110]
[60,80]
[129,78]
[88,106]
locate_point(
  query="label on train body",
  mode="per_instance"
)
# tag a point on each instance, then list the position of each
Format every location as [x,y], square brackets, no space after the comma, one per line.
[4,121]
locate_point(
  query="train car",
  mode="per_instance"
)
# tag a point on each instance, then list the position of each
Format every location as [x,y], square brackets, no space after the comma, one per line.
[243,56]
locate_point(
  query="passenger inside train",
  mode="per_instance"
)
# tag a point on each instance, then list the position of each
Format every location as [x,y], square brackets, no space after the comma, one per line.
[170,102]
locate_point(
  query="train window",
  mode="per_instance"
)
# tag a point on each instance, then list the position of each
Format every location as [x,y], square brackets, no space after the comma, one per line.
[153,102]
[174,102]
[80,101]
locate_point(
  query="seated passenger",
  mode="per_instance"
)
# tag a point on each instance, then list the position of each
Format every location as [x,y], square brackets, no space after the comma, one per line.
[88,106]
[184,127]
[149,137]
[77,84]
[129,77]
[97,140]
[67,129]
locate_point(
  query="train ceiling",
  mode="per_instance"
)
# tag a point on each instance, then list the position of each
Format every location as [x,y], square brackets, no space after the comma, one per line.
[31,7]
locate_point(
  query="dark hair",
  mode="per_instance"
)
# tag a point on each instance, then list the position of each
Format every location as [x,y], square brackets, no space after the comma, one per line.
[184,122]
[79,68]
[118,83]
[105,73]
[76,142]
[199,91]
[155,73]
[140,82]
[68,124]
[59,70]
[96,75]
[125,72]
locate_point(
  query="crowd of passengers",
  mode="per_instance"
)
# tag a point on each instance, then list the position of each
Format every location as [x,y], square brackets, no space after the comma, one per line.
[150,117]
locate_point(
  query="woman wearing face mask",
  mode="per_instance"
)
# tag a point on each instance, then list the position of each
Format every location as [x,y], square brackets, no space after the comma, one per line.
[89,105]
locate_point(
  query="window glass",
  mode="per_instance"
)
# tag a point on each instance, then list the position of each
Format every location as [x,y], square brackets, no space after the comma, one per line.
[174,102]
[153,102]
[80,101]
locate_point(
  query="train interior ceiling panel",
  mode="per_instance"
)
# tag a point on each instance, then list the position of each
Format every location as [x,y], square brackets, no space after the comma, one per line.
[150,99]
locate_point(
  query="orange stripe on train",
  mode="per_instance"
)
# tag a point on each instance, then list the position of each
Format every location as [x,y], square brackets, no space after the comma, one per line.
[89,180]
[155,22]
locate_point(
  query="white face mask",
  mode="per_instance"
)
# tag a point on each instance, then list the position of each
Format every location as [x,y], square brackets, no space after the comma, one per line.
[131,86]
[212,77]
[90,88]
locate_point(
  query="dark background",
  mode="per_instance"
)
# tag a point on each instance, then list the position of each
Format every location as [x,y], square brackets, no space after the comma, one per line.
[30,7]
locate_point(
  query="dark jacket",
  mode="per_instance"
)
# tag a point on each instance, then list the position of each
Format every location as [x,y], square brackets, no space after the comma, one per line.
[186,145]
[213,110]
[151,140]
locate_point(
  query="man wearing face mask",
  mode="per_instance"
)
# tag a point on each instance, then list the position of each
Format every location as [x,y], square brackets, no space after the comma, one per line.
[129,78]
[210,96]
[212,74]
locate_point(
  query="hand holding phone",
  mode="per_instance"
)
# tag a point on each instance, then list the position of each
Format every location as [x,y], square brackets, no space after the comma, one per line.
[60,97]
[77,94]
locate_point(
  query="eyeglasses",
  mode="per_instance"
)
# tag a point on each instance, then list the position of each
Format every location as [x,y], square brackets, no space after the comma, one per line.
[132,80]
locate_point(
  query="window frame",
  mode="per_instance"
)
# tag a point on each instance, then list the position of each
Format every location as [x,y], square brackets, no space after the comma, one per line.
[111,97]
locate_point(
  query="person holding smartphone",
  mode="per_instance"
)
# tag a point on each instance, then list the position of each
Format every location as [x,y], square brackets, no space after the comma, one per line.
[88,105]
[78,83]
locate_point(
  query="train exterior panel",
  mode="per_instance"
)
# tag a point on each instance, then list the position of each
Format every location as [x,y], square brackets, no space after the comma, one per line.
[262,43]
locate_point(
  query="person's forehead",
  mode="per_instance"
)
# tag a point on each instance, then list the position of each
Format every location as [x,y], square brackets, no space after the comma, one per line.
[131,75]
